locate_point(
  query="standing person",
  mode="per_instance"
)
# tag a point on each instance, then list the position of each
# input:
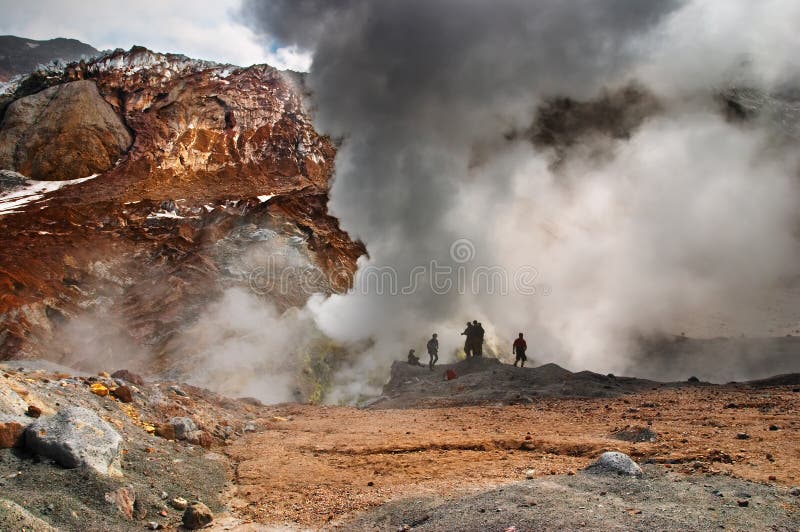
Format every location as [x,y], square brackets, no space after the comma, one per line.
[519,348]
[468,340]
[477,329]
[433,350]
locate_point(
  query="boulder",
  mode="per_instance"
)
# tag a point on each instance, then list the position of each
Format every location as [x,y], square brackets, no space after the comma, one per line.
[197,515]
[63,132]
[76,437]
[613,462]
[182,426]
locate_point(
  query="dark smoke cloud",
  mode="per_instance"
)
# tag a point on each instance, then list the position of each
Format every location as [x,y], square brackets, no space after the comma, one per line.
[425,94]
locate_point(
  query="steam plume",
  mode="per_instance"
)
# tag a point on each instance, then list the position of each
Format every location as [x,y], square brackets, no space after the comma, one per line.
[684,222]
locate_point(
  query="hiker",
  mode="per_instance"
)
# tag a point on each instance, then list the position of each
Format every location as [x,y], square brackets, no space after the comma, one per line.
[414,359]
[519,348]
[468,342]
[433,350]
[477,346]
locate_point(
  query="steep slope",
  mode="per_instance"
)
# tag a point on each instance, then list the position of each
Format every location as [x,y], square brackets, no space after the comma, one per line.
[20,56]
[224,171]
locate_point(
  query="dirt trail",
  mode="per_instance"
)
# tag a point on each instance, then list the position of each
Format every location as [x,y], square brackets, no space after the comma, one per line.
[323,464]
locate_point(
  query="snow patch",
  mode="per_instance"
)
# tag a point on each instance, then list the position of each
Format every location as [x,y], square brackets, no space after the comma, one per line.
[33,191]
[265,198]
[165,214]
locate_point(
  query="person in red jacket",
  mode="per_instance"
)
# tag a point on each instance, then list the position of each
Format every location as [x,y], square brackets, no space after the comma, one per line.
[519,349]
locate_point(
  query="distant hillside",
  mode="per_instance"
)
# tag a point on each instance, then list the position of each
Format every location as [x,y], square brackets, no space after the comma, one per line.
[20,56]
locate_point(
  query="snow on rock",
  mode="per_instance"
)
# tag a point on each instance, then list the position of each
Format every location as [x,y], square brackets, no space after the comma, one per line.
[265,198]
[32,191]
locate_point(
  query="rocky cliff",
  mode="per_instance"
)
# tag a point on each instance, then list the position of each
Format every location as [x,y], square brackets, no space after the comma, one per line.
[183,178]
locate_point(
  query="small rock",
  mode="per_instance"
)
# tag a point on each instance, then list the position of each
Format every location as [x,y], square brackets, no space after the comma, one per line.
[615,462]
[129,376]
[123,393]
[10,434]
[250,427]
[75,437]
[123,499]
[201,438]
[99,389]
[743,503]
[795,491]
[197,515]
[33,411]
[693,379]
[152,525]
[104,374]
[773,427]
[165,430]
[179,503]
[530,474]
[178,391]
[164,495]
[742,436]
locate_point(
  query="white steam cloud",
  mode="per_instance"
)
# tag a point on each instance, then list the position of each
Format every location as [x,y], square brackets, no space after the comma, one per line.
[686,223]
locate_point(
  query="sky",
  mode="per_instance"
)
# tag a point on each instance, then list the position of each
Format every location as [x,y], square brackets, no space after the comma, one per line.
[203,29]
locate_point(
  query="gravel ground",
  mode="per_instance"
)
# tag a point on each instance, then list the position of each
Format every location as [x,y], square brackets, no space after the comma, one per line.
[658,501]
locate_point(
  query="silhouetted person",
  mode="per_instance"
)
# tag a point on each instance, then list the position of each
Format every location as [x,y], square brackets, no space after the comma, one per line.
[433,350]
[519,348]
[468,341]
[478,331]
[414,359]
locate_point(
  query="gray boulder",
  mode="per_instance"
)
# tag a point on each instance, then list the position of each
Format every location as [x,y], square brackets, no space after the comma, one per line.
[76,437]
[615,463]
[182,427]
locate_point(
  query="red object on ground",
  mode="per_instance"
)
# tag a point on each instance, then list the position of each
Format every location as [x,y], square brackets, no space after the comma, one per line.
[450,375]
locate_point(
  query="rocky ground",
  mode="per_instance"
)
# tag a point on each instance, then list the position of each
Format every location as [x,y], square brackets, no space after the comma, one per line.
[711,455]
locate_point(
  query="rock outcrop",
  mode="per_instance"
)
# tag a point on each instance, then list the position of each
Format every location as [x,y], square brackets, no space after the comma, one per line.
[223,170]
[64,132]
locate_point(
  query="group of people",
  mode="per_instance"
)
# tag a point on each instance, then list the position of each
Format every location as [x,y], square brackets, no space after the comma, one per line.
[473,347]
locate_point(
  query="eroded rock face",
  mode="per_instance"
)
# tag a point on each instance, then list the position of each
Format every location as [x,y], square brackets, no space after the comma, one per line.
[234,155]
[63,132]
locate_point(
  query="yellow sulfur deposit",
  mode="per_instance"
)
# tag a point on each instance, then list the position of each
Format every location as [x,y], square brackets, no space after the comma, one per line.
[98,389]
